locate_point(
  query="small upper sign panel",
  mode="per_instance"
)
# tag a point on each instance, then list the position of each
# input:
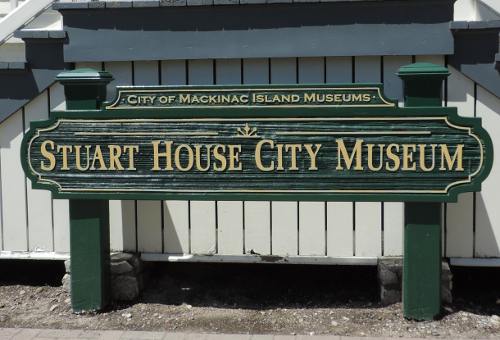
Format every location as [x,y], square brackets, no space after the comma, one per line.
[347,95]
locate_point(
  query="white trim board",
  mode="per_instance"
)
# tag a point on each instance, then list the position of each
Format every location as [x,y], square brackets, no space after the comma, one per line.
[320,260]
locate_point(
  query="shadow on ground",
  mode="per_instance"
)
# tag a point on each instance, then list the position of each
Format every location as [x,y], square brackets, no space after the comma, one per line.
[476,290]
[262,286]
[31,272]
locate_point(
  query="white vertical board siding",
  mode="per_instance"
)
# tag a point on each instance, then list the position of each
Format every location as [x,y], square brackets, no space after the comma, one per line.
[203,227]
[30,221]
[312,222]
[203,213]
[40,233]
[230,223]
[122,219]
[176,227]
[14,214]
[339,70]
[459,227]
[230,227]
[340,223]
[149,213]
[149,226]
[284,220]
[175,213]
[393,213]
[257,215]
[368,219]
[487,243]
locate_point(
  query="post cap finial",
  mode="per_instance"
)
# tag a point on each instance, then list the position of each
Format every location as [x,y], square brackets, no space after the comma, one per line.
[84,76]
[423,69]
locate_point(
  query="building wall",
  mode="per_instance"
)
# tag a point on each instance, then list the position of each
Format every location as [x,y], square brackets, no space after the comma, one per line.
[32,222]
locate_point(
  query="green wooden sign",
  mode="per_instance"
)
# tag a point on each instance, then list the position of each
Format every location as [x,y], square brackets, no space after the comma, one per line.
[315,142]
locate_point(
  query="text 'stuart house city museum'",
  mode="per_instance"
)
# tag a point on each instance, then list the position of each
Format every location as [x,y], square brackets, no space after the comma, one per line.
[333,132]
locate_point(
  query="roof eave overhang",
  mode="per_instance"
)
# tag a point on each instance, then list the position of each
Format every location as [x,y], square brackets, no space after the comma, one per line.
[347,28]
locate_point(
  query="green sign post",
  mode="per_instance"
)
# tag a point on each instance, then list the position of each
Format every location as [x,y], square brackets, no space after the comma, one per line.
[314,142]
[89,219]
[423,86]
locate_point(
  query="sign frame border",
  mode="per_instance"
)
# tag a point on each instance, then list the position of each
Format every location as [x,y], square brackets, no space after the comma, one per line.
[268,112]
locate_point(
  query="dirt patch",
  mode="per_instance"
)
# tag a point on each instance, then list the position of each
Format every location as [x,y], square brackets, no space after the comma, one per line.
[255,299]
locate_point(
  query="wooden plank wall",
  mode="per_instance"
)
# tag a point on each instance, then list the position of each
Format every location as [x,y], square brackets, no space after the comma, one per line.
[31,221]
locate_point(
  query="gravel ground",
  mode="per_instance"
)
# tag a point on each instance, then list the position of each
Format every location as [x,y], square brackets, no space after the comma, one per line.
[256,299]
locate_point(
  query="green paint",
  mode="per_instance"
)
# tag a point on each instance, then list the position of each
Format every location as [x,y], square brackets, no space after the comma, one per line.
[85,91]
[311,95]
[422,261]
[280,124]
[84,88]
[422,231]
[89,241]
[423,84]
[89,219]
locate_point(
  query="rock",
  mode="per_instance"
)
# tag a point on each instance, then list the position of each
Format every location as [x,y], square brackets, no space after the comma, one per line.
[389,272]
[127,315]
[52,308]
[495,320]
[388,277]
[389,296]
[120,268]
[124,288]
[119,257]
[66,283]
[335,323]
[136,262]
[67,266]
[446,283]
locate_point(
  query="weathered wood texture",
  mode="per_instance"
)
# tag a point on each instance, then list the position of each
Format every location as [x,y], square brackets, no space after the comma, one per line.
[334,229]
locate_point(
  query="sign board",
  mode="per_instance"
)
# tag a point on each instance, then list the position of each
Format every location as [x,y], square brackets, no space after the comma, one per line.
[317,142]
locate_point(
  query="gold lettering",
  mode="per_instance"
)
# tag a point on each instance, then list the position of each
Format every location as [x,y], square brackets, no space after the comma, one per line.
[234,160]
[356,154]
[423,166]
[197,151]
[293,148]
[157,154]
[279,165]
[48,155]
[408,163]
[190,159]
[132,99]
[312,154]
[98,157]
[457,157]
[115,151]
[78,157]
[65,149]
[220,157]
[391,155]
[258,157]
[131,149]
[370,157]
[184,98]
